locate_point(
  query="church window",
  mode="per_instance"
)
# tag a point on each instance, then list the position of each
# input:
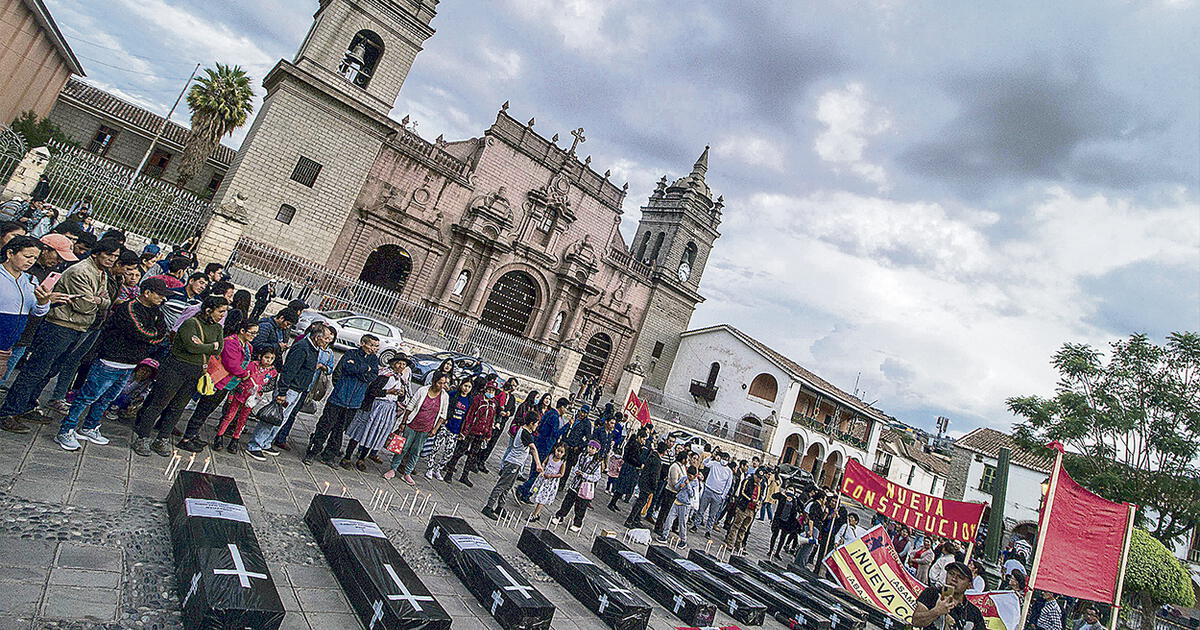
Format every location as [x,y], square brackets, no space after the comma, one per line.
[658,350]
[641,253]
[764,386]
[306,171]
[658,241]
[460,284]
[286,213]
[362,58]
[547,221]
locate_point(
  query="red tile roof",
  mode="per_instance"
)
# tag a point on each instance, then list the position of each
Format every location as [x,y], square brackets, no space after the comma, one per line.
[136,116]
[989,442]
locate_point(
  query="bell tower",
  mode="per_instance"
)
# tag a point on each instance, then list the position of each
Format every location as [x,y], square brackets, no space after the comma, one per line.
[323,122]
[675,236]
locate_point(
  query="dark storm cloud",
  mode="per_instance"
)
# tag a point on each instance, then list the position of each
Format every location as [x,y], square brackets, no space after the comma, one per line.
[1045,120]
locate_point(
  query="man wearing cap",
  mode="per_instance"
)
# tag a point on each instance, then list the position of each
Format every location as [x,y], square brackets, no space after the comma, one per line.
[946,607]
[57,250]
[130,334]
[476,429]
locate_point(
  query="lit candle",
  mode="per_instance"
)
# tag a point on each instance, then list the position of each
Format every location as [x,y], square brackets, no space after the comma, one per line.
[191,460]
[205,464]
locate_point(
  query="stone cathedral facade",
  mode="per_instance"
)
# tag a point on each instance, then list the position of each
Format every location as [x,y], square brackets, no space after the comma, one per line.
[511,229]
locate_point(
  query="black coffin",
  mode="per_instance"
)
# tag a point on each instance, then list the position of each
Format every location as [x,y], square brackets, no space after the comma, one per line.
[383,590]
[841,605]
[501,589]
[840,617]
[739,605]
[780,605]
[220,571]
[593,586]
[664,588]
[873,615]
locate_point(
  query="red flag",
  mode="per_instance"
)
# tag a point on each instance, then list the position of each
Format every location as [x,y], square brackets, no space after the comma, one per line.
[1084,542]
[637,408]
[956,520]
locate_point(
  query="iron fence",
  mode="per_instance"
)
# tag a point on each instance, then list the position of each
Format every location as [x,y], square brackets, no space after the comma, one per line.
[254,262]
[147,208]
[1133,620]
[684,412]
[12,149]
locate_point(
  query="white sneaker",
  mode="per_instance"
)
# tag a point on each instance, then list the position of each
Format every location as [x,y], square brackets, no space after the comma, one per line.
[555,521]
[429,474]
[67,441]
[574,528]
[92,435]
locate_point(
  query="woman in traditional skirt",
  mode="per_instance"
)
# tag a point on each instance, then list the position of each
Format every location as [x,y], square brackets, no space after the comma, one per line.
[446,437]
[376,420]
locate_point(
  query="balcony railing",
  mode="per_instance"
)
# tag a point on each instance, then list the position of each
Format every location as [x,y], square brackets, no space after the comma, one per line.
[703,391]
[845,436]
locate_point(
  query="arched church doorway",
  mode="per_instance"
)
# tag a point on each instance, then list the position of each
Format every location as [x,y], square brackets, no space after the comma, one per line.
[595,356]
[509,306]
[389,267]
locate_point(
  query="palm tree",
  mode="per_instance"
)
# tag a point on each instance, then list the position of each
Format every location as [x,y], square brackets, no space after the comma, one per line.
[220,103]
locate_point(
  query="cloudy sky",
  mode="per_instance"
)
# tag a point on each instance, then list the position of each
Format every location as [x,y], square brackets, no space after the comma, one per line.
[934,195]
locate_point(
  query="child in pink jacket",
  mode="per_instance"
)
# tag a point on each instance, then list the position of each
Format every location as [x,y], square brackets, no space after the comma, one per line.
[247,395]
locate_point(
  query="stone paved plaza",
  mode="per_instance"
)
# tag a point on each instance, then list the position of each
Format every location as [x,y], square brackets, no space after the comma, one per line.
[84,541]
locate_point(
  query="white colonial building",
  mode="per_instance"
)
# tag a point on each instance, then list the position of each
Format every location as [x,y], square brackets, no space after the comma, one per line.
[973,468]
[906,460]
[729,385]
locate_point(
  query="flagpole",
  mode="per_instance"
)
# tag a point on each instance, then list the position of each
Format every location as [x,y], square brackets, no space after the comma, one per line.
[1116,609]
[1041,542]
[971,545]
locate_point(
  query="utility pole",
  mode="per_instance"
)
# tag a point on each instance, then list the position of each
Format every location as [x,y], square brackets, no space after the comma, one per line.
[162,128]
[995,535]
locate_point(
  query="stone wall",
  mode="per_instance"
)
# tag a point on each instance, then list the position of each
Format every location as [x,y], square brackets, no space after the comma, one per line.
[956,478]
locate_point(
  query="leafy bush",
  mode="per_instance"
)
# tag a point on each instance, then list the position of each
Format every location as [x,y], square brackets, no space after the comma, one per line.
[1154,576]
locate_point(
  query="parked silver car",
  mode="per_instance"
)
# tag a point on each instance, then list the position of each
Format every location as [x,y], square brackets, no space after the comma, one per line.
[351,327]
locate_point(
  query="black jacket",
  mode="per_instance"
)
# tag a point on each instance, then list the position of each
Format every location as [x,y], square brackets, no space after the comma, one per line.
[633,454]
[299,367]
[651,468]
[131,332]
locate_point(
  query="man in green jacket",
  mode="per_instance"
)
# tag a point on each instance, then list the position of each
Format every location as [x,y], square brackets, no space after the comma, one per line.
[86,282]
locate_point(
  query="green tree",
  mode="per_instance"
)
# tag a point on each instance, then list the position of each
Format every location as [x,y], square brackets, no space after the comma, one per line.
[1154,577]
[220,103]
[1132,424]
[38,132]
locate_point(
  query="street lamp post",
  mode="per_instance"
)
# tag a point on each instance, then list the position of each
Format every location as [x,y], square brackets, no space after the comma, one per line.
[995,536]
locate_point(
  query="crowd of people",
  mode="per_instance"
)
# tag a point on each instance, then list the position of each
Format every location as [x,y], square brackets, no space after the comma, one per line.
[142,336]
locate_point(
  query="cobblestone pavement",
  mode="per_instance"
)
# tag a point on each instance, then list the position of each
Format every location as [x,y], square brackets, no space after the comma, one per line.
[84,541]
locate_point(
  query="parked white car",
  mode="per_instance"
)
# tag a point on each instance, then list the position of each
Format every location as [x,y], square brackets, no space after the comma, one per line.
[351,327]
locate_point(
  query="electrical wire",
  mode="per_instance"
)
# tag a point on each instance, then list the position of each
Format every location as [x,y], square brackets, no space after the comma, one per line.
[137,72]
[76,37]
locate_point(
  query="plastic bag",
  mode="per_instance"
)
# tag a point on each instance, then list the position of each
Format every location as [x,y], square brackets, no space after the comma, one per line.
[320,389]
[270,413]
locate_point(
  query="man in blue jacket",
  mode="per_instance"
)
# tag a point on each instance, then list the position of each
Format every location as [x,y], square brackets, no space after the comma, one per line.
[549,430]
[295,379]
[351,377]
[272,331]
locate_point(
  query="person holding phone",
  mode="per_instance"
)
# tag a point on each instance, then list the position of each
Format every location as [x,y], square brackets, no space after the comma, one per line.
[946,607]
[20,297]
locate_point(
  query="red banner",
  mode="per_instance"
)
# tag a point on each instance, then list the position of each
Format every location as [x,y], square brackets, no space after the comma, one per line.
[1084,544]
[637,408]
[956,520]
[870,568]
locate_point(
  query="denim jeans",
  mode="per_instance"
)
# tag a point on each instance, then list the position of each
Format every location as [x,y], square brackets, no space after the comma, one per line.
[526,489]
[677,514]
[69,364]
[49,345]
[264,434]
[765,512]
[290,418]
[414,441]
[103,385]
[710,505]
[13,359]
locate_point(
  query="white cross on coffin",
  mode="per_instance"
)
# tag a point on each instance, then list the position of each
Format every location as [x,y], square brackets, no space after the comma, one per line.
[497,599]
[239,568]
[603,600]
[191,589]
[732,605]
[405,594]
[437,531]
[514,585]
[680,600]
[376,613]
